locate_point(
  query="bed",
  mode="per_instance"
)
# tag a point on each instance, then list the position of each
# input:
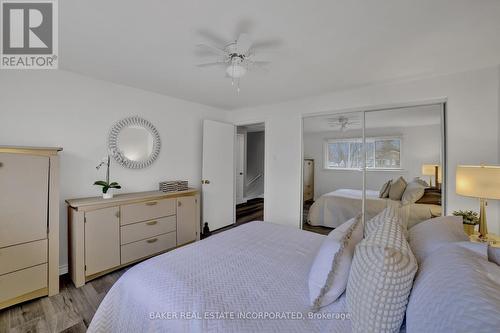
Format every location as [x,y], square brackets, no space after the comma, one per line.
[334,208]
[226,283]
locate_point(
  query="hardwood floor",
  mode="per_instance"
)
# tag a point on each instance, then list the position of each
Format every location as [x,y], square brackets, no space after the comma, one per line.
[252,210]
[69,311]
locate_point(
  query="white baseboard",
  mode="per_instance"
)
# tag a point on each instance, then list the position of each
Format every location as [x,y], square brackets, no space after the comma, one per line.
[63,269]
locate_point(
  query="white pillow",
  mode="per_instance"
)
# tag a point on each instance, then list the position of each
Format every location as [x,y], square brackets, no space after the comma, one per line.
[455,290]
[426,237]
[380,280]
[413,192]
[330,270]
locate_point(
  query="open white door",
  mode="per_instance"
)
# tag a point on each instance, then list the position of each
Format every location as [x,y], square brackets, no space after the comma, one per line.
[218,174]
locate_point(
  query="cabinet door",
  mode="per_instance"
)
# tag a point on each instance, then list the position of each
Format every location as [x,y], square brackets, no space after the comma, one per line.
[24,188]
[187,225]
[102,240]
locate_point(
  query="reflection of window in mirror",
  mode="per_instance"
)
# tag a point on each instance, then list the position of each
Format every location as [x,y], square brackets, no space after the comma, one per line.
[381,153]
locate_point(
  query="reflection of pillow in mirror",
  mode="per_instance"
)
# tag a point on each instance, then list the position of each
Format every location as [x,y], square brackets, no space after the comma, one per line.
[384,191]
[397,189]
[413,192]
[420,181]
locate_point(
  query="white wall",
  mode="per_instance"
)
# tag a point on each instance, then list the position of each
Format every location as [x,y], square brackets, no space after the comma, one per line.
[255,164]
[57,108]
[420,144]
[472,137]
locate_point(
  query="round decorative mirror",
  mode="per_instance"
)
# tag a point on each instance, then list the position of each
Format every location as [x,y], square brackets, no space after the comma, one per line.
[134,142]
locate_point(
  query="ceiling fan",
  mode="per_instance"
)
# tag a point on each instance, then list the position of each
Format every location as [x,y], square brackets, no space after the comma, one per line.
[343,122]
[236,57]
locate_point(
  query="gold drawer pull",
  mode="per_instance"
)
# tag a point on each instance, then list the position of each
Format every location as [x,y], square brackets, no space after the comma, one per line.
[152,240]
[152,222]
[151,203]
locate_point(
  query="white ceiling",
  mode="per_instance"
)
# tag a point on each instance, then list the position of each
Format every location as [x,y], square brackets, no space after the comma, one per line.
[323,45]
[393,118]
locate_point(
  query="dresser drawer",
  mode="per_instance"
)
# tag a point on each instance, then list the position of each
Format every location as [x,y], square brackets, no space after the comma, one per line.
[147,211]
[22,282]
[147,247]
[17,257]
[142,230]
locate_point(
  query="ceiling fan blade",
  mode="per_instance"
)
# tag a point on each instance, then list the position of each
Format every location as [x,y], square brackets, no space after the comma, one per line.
[215,39]
[213,49]
[210,64]
[265,44]
[243,43]
[260,63]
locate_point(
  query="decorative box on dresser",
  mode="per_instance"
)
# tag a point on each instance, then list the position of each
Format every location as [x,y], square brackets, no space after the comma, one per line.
[107,234]
[29,223]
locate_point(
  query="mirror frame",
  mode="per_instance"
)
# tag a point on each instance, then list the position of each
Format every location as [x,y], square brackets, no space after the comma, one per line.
[113,144]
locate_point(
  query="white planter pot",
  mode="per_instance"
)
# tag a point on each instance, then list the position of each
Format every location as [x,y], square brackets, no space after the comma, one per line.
[108,195]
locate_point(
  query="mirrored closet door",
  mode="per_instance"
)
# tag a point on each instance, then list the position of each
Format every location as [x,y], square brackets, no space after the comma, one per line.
[369,160]
[333,145]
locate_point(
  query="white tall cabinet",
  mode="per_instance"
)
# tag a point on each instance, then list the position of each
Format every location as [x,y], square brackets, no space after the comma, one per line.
[29,223]
[308,186]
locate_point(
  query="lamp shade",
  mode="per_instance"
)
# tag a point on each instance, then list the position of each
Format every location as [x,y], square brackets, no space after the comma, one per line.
[478,181]
[430,170]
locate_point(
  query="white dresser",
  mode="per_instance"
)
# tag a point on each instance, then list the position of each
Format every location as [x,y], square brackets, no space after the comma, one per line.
[107,234]
[29,223]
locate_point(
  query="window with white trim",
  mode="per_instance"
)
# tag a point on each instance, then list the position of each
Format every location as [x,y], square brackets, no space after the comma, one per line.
[382,153]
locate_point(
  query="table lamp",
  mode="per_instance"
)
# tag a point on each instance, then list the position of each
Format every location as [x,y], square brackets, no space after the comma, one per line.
[481,182]
[432,170]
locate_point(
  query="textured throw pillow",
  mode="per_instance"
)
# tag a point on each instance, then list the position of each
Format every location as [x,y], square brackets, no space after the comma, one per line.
[413,192]
[426,237]
[455,290]
[392,212]
[384,191]
[380,280]
[397,189]
[330,270]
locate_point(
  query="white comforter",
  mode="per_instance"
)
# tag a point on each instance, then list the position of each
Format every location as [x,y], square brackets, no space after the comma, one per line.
[257,269]
[334,208]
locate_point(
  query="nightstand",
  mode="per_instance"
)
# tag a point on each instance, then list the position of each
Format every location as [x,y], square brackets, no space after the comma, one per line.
[492,239]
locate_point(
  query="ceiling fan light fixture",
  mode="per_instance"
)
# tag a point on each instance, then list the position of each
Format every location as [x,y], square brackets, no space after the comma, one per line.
[236,71]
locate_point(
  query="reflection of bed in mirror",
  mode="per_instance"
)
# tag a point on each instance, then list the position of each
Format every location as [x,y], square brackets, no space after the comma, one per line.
[334,208]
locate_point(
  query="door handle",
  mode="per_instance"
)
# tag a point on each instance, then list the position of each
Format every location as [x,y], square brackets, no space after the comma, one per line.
[1,164]
[205,181]
[151,203]
[152,222]
[241,173]
[152,240]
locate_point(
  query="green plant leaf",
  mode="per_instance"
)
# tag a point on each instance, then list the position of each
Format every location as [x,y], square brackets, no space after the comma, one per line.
[113,184]
[116,186]
[100,183]
[105,189]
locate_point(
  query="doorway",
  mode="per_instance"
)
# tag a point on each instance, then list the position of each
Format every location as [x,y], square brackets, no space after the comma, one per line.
[249,171]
